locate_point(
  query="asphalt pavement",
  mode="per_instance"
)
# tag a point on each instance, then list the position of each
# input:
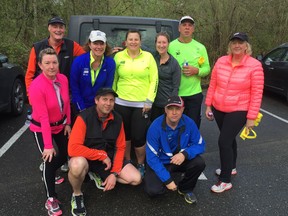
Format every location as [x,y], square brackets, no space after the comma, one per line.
[259,188]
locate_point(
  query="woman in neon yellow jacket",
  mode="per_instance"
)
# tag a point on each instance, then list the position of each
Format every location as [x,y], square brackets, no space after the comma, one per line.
[135,82]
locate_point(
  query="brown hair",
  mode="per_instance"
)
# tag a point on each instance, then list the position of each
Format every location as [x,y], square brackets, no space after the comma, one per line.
[165,34]
[107,51]
[133,31]
[47,51]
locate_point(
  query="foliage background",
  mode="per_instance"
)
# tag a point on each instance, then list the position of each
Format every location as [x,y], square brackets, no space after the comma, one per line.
[265,21]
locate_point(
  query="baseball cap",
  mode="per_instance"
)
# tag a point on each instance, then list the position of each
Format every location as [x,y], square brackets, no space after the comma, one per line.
[56,20]
[240,35]
[104,91]
[186,18]
[97,35]
[175,101]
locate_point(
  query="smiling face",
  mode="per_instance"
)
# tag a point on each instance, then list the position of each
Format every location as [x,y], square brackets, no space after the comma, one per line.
[57,31]
[49,65]
[133,41]
[238,47]
[162,44]
[97,48]
[105,104]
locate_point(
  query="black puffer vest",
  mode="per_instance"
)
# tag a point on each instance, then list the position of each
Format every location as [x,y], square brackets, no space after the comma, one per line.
[65,55]
[98,138]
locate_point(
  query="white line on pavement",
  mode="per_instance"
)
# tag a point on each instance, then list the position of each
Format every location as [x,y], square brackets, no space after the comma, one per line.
[12,140]
[275,116]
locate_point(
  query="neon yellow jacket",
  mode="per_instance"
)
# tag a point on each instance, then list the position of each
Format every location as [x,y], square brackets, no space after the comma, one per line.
[195,54]
[135,79]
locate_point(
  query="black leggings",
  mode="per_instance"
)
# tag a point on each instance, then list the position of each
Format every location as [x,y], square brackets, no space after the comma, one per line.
[229,125]
[49,169]
[135,124]
[193,107]
[191,168]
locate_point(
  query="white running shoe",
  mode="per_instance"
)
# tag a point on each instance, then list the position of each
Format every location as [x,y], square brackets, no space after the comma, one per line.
[221,187]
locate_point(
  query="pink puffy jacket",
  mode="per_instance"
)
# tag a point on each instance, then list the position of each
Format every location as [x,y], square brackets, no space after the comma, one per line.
[238,88]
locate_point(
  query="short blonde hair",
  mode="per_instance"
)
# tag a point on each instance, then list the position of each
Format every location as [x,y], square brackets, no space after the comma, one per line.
[248,50]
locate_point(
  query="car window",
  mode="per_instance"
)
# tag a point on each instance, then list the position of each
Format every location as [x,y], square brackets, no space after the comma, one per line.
[116,34]
[285,57]
[276,55]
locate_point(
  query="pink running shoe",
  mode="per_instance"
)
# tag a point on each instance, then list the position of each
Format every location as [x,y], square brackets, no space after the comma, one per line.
[52,206]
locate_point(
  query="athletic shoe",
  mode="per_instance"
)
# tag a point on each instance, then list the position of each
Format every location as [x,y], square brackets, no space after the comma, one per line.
[189,197]
[65,167]
[221,187]
[77,206]
[97,179]
[233,172]
[58,180]
[52,206]
[141,169]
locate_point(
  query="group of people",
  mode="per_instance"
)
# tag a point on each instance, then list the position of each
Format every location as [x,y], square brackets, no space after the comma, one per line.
[137,101]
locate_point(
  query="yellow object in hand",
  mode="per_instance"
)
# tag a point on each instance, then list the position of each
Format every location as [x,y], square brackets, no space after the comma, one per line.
[251,134]
[258,119]
[246,134]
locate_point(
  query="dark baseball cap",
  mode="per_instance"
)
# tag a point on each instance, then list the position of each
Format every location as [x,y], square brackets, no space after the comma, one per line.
[56,19]
[240,35]
[104,91]
[175,101]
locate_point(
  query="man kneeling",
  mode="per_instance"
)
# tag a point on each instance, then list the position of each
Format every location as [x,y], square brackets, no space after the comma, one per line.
[96,146]
[174,144]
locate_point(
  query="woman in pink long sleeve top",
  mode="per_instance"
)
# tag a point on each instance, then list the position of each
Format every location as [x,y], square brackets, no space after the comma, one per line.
[49,97]
[233,98]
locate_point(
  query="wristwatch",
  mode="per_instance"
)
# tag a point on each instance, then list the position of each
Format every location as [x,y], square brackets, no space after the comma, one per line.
[115,174]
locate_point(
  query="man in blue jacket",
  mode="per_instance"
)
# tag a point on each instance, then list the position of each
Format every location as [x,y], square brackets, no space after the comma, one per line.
[174,145]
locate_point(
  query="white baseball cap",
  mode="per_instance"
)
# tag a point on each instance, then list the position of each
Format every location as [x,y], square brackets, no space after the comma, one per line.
[186,18]
[97,36]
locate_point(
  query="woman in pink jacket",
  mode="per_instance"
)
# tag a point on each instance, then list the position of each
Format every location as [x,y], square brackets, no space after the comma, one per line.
[50,124]
[233,98]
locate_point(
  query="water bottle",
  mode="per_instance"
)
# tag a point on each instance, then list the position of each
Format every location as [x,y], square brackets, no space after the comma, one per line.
[29,117]
[145,115]
[185,63]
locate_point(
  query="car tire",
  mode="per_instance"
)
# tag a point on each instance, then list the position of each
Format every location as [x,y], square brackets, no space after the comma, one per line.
[17,97]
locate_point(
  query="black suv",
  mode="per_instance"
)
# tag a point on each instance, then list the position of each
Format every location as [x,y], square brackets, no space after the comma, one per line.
[275,65]
[12,88]
[116,27]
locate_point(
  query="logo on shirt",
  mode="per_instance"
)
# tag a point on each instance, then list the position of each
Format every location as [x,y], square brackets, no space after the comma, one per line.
[85,71]
[178,52]
[122,62]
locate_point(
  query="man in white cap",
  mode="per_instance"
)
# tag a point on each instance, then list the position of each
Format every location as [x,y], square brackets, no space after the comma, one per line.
[174,145]
[193,59]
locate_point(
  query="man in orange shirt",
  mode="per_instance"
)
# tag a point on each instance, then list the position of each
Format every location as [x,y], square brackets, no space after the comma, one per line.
[97,145]
[66,50]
